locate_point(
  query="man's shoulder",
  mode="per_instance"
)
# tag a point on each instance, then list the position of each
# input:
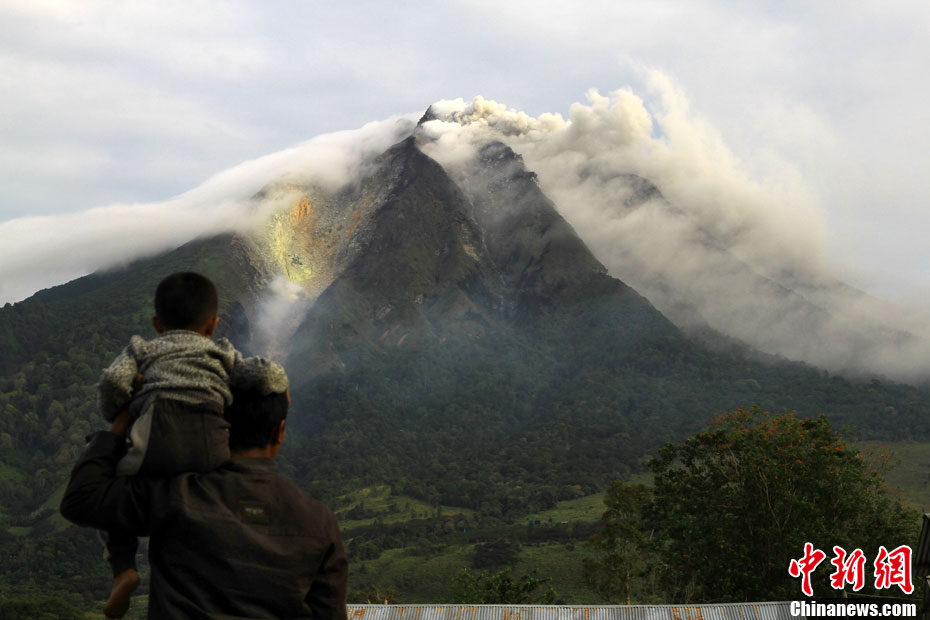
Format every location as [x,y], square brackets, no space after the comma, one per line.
[301,495]
[299,498]
[261,477]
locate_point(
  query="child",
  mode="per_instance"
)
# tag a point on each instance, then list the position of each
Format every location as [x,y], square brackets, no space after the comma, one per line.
[177,412]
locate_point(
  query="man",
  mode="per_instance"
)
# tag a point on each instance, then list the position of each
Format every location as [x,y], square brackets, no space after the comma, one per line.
[241,541]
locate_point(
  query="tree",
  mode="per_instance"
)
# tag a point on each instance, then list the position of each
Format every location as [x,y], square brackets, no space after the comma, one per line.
[626,545]
[500,589]
[733,505]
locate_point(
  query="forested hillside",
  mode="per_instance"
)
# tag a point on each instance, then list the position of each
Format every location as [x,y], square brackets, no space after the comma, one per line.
[54,347]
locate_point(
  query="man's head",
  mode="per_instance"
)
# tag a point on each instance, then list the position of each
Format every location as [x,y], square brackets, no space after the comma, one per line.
[256,420]
[185,300]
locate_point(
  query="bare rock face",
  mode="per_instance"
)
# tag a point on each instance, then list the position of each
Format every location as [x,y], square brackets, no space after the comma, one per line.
[377,233]
[411,266]
[411,254]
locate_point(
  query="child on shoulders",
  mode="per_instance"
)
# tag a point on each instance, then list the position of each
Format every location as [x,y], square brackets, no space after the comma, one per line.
[177,412]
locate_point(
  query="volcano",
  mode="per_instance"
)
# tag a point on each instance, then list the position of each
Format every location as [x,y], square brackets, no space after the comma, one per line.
[447,334]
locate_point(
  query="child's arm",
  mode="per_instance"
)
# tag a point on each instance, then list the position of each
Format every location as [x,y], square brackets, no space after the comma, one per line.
[114,391]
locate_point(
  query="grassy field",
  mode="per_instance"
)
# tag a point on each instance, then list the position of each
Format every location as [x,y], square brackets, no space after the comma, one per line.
[380,503]
[426,574]
[588,508]
[429,578]
[420,578]
[909,475]
[562,564]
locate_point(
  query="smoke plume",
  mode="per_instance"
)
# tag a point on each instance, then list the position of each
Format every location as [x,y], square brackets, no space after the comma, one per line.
[712,247]
[649,186]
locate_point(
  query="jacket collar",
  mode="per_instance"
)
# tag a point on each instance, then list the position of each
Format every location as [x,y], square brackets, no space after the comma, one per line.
[251,465]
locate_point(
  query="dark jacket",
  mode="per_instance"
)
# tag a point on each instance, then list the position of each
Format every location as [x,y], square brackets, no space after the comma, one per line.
[241,541]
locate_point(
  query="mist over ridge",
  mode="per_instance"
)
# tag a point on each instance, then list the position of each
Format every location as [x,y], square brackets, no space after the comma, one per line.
[665,206]
[41,251]
[650,188]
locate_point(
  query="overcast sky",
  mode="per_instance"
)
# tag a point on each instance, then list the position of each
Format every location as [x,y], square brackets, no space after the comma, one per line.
[118,103]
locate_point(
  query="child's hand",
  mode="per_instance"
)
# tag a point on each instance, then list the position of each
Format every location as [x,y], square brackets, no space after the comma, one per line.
[120,423]
[123,418]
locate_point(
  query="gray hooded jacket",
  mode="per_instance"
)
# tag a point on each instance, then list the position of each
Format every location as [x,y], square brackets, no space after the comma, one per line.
[178,423]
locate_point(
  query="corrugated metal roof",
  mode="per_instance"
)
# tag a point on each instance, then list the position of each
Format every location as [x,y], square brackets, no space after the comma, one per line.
[723,611]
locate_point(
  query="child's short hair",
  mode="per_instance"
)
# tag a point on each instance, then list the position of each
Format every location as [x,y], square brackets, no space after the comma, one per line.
[185,300]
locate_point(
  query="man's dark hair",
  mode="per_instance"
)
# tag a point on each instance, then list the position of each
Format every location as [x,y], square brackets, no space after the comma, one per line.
[185,300]
[253,417]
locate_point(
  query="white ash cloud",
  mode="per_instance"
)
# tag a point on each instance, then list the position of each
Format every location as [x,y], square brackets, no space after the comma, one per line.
[278,316]
[718,246]
[39,252]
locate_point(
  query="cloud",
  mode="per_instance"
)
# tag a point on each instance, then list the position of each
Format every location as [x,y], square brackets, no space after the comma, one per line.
[825,92]
[205,39]
[721,245]
[580,158]
[37,252]
[718,247]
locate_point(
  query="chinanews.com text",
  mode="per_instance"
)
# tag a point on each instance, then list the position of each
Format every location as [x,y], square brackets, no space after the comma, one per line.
[813,609]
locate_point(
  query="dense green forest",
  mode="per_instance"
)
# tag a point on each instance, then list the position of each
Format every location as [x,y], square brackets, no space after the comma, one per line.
[514,422]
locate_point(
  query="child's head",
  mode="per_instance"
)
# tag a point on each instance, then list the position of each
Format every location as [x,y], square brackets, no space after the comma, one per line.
[185,300]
